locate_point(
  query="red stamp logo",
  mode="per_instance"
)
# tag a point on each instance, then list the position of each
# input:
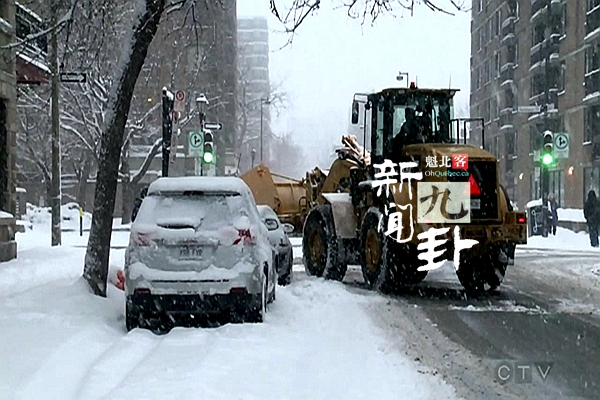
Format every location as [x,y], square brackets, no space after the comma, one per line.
[460,161]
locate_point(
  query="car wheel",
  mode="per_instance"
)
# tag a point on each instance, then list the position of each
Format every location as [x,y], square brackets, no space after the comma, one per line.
[257,314]
[131,317]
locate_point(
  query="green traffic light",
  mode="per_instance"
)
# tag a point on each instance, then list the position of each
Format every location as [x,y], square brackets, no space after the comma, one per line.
[208,157]
[547,159]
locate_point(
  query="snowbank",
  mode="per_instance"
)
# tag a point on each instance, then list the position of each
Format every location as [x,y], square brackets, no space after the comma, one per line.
[66,343]
[570,214]
[565,239]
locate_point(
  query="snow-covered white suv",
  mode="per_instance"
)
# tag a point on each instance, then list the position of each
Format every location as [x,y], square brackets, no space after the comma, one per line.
[198,251]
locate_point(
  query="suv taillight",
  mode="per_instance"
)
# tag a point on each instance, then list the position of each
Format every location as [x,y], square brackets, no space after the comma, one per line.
[140,239]
[245,236]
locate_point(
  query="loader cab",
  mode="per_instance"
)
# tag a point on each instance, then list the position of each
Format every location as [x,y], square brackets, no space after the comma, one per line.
[396,118]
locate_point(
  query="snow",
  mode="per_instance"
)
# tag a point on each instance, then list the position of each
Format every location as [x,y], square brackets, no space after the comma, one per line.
[534,203]
[65,343]
[211,273]
[215,184]
[4,214]
[570,214]
[503,306]
[565,239]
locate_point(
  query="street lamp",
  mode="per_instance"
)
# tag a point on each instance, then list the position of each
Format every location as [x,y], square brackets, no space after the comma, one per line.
[202,104]
[253,154]
[401,76]
[262,103]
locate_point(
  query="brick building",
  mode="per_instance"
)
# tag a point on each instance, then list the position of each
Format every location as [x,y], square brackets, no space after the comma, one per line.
[539,53]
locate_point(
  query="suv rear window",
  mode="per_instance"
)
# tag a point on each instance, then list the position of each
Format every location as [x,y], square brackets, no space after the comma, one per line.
[205,210]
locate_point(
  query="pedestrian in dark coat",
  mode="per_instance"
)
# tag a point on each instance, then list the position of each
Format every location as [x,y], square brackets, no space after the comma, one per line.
[138,203]
[553,213]
[591,212]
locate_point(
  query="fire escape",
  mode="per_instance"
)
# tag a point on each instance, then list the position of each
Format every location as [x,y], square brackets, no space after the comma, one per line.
[32,65]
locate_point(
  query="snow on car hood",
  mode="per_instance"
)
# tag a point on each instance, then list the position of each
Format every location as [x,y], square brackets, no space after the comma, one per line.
[139,270]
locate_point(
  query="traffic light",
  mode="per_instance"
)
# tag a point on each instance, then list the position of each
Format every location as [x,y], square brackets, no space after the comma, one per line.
[208,153]
[548,149]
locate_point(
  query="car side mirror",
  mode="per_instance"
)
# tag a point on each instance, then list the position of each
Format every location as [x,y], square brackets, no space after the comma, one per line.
[288,228]
[355,112]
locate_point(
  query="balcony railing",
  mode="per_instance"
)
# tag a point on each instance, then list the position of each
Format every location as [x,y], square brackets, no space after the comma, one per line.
[28,23]
[508,26]
[506,75]
[592,83]
[536,6]
[592,21]
[506,119]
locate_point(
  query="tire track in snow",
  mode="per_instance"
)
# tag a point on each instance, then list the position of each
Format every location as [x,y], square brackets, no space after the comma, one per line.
[164,361]
[60,375]
[108,371]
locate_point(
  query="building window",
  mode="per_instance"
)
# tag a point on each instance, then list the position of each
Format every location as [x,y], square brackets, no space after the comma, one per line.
[490,30]
[493,108]
[513,8]
[477,78]
[535,187]
[592,61]
[591,123]
[511,144]
[497,65]
[509,99]
[496,147]
[591,181]
[480,42]
[563,20]
[479,6]
[556,185]
[498,22]
[513,53]
[537,34]
[593,4]
[563,75]
[486,72]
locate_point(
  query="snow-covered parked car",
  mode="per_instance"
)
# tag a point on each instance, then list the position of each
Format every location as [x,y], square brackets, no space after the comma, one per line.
[279,239]
[198,249]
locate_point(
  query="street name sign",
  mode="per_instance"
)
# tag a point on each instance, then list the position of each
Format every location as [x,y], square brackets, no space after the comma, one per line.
[213,126]
[73,77]
[528,109]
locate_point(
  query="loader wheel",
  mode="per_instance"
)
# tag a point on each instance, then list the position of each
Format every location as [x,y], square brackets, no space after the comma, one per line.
[405,259]
[374,254]
[482,271]
[320,246]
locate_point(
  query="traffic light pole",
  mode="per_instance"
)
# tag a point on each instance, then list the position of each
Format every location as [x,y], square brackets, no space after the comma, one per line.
[167,128]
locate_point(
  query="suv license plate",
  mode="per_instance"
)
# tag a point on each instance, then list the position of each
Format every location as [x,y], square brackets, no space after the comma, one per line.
[475,204]
[190,253]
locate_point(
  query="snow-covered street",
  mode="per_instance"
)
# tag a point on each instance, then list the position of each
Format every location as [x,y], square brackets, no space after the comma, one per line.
[61,342]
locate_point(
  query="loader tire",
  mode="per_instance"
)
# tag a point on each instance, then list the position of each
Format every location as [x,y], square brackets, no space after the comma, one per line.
[320,246]
[482,271]
[373,258]
[405,259]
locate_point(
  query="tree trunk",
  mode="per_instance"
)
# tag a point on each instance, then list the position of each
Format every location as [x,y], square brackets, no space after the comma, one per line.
[145,24]
[129,195]
[82,188]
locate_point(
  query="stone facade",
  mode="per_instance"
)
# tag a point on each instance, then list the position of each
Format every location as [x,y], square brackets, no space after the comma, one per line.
[8,129]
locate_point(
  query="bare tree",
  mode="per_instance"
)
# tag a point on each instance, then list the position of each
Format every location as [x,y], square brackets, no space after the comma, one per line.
[293,16]
[145,24]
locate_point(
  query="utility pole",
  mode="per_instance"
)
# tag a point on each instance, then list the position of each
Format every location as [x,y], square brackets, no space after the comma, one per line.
[55,184]
[167,128]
